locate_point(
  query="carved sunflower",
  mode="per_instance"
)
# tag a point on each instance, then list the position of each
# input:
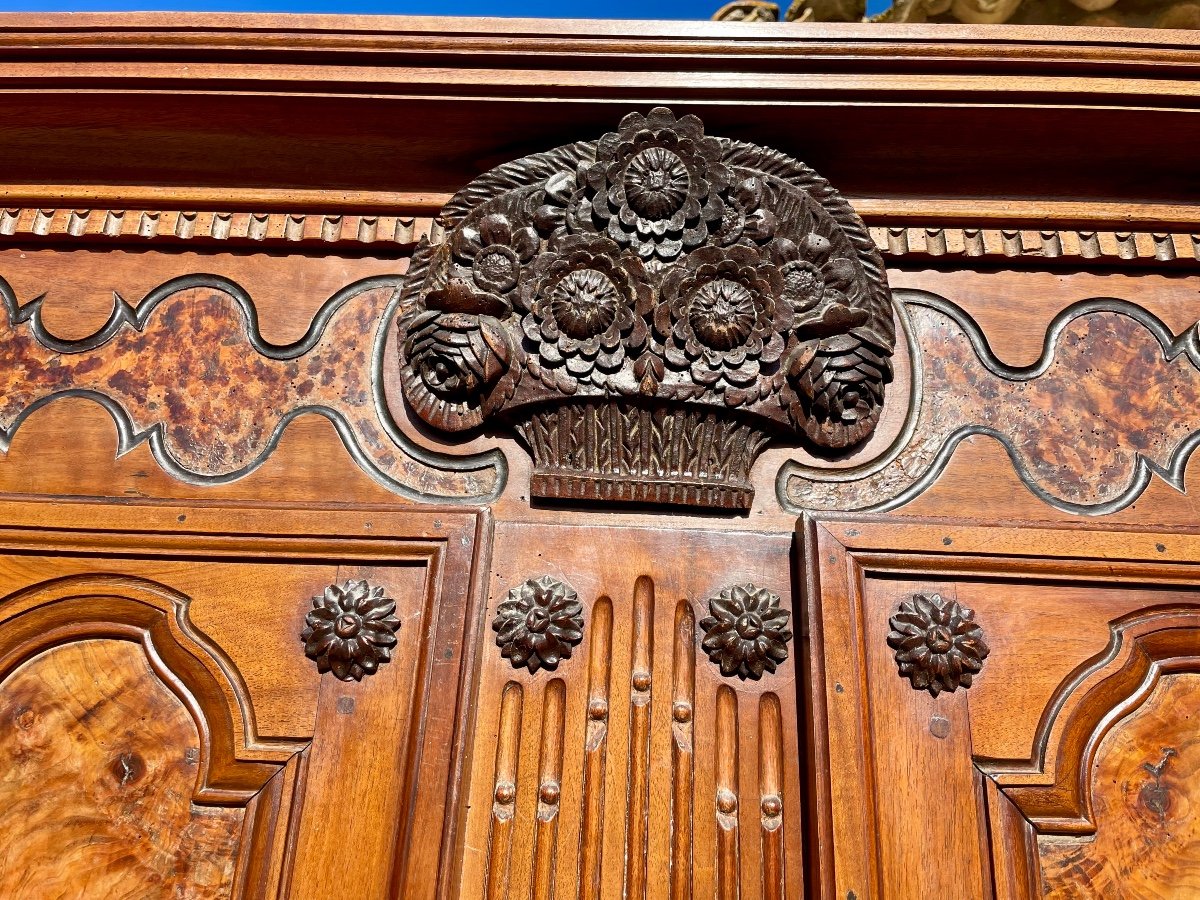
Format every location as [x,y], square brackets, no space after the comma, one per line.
[655,187]
[721,318]
[746,633]
[585,303]
[494,251]
[539,623]
[817,284]
[351,630]
[939,646]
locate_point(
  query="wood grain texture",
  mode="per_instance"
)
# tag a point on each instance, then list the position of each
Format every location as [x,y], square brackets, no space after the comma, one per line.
[1144,789]
[99,765]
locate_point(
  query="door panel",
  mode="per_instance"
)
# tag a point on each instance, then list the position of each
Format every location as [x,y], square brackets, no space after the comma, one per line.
[1003,712]
[164,734]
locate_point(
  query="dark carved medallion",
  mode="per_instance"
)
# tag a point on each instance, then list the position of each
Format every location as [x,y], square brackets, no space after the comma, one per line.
[746,632]
[351,630]
[939,646]
[648,310]
[539,623]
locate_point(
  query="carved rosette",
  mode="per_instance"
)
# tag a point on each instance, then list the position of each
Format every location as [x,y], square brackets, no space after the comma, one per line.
[539,623]
[746,633]
[939,646]
[351,630]
[649,310]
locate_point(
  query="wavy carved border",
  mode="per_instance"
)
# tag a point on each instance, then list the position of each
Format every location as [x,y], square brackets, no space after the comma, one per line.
[1098,355]
[140,363]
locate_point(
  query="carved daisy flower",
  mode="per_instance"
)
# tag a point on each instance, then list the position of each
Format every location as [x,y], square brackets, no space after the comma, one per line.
[746,633]
[539,623]
[655,187]
[494,250]
[351,630]
[939,646]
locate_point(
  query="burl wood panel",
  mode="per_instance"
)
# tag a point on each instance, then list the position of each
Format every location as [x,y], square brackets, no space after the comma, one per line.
[188,371]
[98,762]
[1145,791]
[635,769]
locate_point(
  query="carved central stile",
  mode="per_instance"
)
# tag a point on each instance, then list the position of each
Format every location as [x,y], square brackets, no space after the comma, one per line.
[648,311]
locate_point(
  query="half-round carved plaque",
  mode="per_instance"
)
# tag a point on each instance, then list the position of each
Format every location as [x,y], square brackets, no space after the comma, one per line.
[939,645]
[351,630]
[648,310]
[539,623]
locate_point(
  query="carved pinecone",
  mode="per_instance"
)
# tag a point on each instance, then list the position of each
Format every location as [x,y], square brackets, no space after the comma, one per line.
[839,390]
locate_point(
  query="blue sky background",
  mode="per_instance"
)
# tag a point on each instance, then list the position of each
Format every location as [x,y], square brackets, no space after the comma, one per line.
[608,9]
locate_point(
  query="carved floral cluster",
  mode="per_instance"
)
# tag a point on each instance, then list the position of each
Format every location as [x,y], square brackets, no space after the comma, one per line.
[351,630]
[658,268]
[746,632]
[539,623]
[939,646]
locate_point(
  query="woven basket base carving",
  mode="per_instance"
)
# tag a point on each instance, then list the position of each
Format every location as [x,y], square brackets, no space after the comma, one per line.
[616,452]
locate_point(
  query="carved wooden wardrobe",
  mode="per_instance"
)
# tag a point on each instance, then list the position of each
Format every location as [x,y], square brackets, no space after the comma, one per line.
[479,459]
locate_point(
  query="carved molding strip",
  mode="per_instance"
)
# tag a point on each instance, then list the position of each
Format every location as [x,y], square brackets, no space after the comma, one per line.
[899,242]
[248,227]
[221,227]
[188,371]
[1085,426]
[648,310]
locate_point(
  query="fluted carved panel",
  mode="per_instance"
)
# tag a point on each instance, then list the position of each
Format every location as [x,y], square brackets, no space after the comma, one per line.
[670,780]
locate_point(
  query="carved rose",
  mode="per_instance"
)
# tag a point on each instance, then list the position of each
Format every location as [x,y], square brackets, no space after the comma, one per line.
[746,633]
[351,630]
[494,251]
[939,646]
[539,623]
[816,284]
[586,302]
[655,187]
[721,318]
[455,362]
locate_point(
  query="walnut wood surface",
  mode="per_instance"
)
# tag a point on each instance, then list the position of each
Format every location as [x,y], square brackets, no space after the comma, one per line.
[100,759]
[1028,171]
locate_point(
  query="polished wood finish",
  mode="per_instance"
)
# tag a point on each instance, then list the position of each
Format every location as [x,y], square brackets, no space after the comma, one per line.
[205,236]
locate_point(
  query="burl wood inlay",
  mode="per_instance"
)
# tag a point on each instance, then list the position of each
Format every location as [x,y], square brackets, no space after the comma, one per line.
[1114,398]
[189,372]
[1145,792]
[98,763]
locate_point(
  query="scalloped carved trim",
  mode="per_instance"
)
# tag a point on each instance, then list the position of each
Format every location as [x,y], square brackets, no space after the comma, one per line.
[934,241]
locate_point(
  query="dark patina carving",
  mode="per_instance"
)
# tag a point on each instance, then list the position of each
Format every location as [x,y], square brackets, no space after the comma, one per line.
[648,310]
[746,633]
[539,623]
[351,630]
[939,646]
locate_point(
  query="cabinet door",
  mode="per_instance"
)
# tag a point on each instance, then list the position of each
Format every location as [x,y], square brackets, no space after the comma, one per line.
[162,733]
[1003,712]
